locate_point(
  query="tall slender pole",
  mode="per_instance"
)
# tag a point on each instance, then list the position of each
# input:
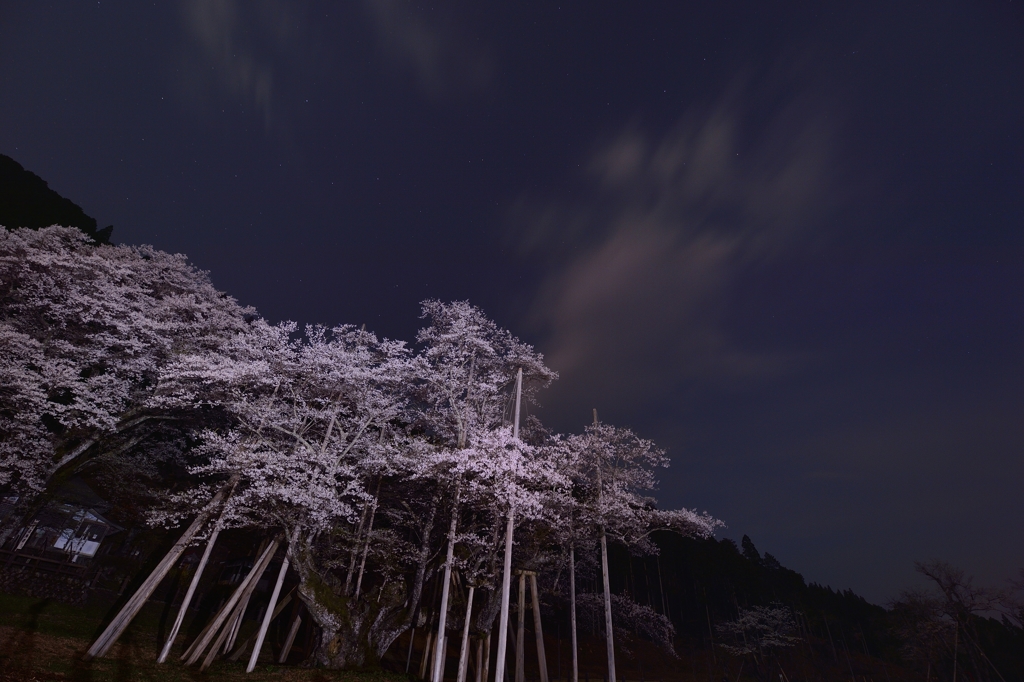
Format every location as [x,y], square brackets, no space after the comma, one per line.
[487,658]
[464,648]
[572,612]
[191,591]
[609,637]
[438,671]
[607,607]
[290,639]
[506,577]
[520,631]
[366,545]
[138,600]
[542,657]
[408,658]
[519,398]
[194,651]
[270,608]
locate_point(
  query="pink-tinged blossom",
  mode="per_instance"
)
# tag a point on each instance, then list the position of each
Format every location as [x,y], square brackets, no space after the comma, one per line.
[89,328]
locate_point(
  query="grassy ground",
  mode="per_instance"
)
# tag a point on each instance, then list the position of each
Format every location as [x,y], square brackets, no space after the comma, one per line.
[44,640]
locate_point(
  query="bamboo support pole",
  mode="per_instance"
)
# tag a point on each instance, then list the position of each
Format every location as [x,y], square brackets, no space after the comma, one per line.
[138,600]
[229,633]
[609,635]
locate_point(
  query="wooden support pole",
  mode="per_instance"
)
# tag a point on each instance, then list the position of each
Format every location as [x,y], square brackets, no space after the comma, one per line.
[270,610]
[243,602]
[521,632]
[479,659]
[408,657]
[193,653]
[366,545]
[438,672]
[487,658]
[138,600]
[609,637]
[281,606]
[425,660]
[572,613]
[290,639]
[506,575]
[542,658]
[464,648]
[444,657]
[236,623]
[188,595]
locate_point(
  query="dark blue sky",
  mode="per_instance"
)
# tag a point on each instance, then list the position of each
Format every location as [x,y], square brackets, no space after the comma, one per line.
[785,242]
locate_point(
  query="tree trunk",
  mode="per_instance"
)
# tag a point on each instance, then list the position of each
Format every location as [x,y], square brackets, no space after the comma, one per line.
[421,567]
[135,604]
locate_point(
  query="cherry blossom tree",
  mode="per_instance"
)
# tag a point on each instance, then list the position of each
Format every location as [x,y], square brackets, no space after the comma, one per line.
[613,479]
[88,328]
[472,363]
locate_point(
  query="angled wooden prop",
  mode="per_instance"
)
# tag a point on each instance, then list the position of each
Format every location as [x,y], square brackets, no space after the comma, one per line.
[132,607]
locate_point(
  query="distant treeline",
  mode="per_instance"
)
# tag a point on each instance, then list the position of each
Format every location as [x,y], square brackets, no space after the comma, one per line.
[701,584]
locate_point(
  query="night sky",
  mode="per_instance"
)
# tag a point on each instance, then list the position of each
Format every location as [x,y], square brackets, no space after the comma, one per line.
[783,241]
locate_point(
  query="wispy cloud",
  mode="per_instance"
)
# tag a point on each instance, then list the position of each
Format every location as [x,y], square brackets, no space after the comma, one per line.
[438,50]
[230,51]
[640,267]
